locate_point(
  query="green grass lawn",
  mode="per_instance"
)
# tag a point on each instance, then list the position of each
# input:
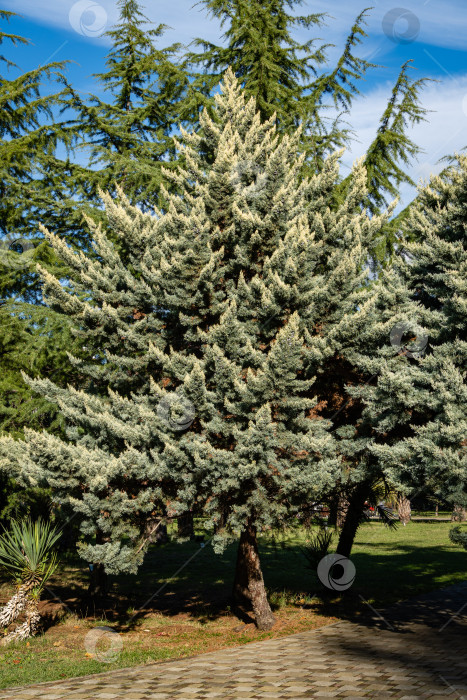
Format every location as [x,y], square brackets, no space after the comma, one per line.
[192,613]
[393,565]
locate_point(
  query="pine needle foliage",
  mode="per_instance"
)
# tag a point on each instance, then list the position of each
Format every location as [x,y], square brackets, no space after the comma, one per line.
[30,176]
[129,137]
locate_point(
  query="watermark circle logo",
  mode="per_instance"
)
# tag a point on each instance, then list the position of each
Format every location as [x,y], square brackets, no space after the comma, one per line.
[248,178]
[336,572]
[176,411]
[16,251]
[401,25]
[415,345]
[88,18]
[104,644]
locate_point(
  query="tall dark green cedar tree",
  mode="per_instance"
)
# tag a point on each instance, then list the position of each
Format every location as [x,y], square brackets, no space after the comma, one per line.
[130,137]
[32,338]
[434,266]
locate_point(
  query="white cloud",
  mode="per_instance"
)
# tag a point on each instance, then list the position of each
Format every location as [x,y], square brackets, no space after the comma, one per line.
[442,22]
[435,22]
[81,16]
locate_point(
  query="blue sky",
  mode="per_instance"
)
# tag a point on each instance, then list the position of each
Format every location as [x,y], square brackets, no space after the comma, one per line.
[432,32]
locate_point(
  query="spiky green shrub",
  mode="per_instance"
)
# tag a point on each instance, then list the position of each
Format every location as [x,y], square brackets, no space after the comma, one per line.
[26,554]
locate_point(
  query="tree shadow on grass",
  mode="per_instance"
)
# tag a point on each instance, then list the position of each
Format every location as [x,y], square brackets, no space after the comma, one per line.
[166,584]
[387,573]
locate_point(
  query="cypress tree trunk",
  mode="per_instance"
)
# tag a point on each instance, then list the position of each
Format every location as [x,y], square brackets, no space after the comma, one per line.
[342,509]
[220,523]
[241,593]
[185,525]
[249,582]
[459,514]
[156,531]
[99,581]
[404,509]
[353,518]
[332,517]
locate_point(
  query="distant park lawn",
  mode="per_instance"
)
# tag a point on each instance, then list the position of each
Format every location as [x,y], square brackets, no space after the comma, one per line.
[192,614]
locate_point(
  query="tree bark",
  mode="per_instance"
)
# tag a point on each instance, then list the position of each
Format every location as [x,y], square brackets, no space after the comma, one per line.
[404,509]
[343,504]
[353,519]
[459,514]
[185,525]
[332,517]
[220,524]
[241,593]
[98,582]
[156,531]
[249,583]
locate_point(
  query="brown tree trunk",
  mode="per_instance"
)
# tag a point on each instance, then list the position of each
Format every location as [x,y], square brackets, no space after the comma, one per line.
[249,583]
[342,510]
[241,593]
[99,581]
[185,525]
[404,509]
[156,531]
[220,524]
[332,517]
[459,514]
[353,518]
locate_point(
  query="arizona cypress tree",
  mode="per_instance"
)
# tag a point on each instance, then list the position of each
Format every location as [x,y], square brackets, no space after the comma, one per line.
[361,320]
[415,407]
[434,266]
[377,360]
[212,335]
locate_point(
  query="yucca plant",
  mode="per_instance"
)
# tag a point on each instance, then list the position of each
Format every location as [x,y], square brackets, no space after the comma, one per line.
[26,554]
[317,546]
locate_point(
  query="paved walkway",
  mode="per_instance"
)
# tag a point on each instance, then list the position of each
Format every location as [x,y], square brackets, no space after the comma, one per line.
[418,650]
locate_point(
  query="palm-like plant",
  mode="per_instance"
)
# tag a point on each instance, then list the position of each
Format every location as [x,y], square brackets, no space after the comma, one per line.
[26,554]
[317,546]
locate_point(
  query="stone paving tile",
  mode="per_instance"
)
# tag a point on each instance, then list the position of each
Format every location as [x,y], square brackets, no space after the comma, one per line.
[423,656]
